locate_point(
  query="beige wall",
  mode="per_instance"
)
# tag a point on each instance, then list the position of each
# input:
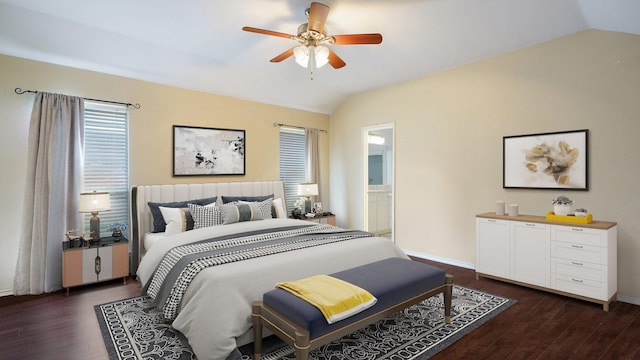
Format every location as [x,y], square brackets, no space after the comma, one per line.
[449,129]
[150,133]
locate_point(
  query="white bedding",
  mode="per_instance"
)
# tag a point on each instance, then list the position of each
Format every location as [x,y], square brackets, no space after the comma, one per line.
[215,313]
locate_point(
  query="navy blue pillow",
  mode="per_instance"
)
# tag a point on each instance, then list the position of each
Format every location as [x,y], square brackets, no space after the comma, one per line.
[159,225]
[228,199]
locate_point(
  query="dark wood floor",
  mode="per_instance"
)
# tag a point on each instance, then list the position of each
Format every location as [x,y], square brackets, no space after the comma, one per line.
[539,326]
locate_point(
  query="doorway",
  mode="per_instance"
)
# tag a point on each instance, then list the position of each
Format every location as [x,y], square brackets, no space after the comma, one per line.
[378,191]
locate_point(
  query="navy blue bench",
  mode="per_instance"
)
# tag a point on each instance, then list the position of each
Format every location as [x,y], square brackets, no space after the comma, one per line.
[396,283]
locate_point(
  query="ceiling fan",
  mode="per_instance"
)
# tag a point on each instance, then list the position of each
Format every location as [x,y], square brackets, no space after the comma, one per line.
[312,36]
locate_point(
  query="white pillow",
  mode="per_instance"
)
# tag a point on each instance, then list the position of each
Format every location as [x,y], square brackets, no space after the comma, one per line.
[175,219]
[278,206]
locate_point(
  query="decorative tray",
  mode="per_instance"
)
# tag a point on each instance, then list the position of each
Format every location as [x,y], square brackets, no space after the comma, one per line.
[551,216]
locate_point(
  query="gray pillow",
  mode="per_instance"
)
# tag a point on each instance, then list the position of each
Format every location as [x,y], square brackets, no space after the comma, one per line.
[230,199]
[240,212]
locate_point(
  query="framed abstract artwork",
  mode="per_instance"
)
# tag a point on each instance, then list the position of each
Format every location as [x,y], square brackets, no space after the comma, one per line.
[201,151]
[556,160]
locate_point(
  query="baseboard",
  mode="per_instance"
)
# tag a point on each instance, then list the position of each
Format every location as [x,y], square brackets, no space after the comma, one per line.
[628,299]
[441,259]
[621,298]
[7,292]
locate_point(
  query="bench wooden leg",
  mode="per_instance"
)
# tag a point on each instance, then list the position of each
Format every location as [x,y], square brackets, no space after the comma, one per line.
[448,295]
[257,331]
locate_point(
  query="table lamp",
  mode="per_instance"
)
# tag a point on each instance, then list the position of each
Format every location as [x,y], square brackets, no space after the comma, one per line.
[93,202]
[307,190]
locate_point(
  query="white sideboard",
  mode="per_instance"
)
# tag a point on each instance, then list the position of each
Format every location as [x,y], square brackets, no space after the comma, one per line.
[577,260]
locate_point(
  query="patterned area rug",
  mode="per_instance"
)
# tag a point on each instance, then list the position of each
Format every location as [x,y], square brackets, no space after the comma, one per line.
[134,329]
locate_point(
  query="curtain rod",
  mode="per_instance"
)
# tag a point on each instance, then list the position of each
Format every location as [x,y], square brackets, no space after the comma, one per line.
[19,91]
[297,127]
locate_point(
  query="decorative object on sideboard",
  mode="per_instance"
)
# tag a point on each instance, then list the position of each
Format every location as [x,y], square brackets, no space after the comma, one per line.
[562,205]
[117,228]
[499,207]
[513,209]
[94,202]
[580,212]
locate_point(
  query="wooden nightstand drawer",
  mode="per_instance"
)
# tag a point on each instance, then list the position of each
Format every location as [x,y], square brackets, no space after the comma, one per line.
[327,219]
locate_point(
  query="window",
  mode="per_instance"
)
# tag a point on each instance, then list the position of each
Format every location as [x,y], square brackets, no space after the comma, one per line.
[292,163]
[106,159]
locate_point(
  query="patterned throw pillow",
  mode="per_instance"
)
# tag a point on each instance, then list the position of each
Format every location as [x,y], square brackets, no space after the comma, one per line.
[264,206]
[232,213]
[205,216]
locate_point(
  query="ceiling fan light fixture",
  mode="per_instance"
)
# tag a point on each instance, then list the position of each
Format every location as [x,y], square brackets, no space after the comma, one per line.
[303,54]
[322,56]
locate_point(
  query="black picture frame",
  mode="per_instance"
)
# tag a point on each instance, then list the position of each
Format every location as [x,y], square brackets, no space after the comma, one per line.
[555,160]
[200,151]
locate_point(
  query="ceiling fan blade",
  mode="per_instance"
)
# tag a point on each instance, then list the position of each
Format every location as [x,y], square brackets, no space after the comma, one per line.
[317,16]
[283,56]
[335,60]
[268,32]
[357,39]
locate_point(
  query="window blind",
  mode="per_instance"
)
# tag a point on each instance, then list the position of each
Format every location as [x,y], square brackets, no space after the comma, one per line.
[106,159]
[292,163]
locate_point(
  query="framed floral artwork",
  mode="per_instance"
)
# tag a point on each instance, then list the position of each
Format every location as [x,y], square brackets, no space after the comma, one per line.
[556,160]
[208,151]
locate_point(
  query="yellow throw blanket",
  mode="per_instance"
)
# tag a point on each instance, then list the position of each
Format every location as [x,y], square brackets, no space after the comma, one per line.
[336,299]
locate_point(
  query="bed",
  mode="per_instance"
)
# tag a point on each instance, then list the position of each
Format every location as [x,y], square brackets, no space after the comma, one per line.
[214,310]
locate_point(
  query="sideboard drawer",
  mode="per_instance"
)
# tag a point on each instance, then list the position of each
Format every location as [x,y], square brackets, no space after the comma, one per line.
[578,252]
[579,286]
[580,269]
[577,235]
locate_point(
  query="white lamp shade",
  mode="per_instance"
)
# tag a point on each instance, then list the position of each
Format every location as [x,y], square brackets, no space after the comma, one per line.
[94,202]
[320,54]
[308,189]
[302,55]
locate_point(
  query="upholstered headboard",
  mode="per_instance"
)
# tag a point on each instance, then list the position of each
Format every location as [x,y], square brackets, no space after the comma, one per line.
[142,221]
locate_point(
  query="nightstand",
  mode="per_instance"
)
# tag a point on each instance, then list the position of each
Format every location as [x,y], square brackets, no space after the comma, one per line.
[323,219]
[105,260]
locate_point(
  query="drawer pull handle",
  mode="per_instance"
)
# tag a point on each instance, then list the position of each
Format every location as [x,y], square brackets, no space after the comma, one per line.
[577,263]
[491,220]
[530,224]
[576,280]
[577,229]
[576,246]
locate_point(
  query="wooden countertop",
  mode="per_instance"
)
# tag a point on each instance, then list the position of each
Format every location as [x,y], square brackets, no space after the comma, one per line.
[601,225]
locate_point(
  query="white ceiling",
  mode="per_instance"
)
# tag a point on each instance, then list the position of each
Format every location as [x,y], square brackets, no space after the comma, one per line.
[199,44]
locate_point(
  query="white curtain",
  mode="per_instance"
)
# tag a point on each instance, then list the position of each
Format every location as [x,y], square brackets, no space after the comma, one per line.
[313,159]
[53,184]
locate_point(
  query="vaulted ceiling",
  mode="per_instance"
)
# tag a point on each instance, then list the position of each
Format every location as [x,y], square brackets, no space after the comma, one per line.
[200,45]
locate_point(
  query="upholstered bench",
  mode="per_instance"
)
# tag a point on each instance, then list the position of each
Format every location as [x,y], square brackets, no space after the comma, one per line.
[396,283]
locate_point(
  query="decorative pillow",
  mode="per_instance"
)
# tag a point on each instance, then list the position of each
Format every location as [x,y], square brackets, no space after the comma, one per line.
[158,221]
[175,218]
[246,211]
[264,206]
[278,209]
[230,199]
[205,216]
